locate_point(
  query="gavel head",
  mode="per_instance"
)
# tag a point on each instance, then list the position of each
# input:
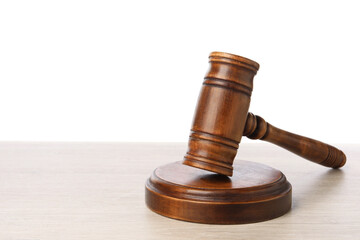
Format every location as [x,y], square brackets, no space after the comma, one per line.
[221,113]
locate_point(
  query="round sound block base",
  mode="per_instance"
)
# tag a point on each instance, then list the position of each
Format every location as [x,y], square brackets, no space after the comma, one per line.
[254,193]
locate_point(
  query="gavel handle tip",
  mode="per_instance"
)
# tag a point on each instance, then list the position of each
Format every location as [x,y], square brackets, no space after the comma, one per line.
[335,158]
[343,160]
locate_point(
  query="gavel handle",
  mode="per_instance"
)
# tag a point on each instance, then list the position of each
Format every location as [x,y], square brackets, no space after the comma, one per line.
[257,128]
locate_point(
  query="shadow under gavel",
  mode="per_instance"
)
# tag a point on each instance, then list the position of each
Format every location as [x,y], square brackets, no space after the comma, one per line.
[257,128]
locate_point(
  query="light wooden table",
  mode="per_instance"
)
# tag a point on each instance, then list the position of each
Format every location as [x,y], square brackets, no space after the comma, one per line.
[96,191]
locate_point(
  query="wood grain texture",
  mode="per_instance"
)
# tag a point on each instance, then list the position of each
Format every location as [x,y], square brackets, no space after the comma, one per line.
[96,191]
[221,112]
[254,193]
[222,118]
[313,150]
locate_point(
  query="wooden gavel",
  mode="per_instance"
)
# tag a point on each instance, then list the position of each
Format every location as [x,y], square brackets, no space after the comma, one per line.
[222,118]
[255,192]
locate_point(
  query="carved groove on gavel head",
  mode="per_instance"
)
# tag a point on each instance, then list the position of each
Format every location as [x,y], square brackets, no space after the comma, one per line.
[221,119]
[221,113]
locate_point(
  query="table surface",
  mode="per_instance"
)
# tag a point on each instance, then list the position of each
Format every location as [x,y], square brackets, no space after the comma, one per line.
[96,191]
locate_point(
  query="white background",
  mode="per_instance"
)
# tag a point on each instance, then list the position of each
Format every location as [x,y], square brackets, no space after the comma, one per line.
[132,71]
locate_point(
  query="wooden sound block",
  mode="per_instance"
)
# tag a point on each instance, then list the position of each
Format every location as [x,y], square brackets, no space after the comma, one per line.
[254,193]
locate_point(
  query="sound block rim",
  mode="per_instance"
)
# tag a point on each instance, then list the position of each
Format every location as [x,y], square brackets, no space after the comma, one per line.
[255,193]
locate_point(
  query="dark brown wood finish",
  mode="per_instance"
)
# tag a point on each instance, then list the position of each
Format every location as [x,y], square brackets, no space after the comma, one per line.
[221,113]
[257,128]
[189,192]
[255,193]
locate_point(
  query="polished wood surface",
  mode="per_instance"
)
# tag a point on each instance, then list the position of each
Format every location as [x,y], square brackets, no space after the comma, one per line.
[88,191]
[254,193]
[221,118]
[221,113]
[257,128]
